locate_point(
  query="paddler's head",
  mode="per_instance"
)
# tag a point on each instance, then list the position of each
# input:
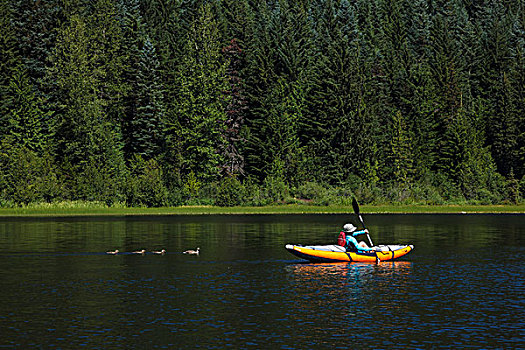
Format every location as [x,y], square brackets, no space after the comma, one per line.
[349,228]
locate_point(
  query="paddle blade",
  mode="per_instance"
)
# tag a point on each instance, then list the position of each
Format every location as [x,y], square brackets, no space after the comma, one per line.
[356,210]
[355,205]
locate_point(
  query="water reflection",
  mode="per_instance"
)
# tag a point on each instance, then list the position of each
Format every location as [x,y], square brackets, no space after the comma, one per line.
[345,270]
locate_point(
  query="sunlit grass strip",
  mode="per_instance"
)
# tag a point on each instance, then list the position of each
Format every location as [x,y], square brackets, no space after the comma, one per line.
[100,209]
[444,209]
[73,205]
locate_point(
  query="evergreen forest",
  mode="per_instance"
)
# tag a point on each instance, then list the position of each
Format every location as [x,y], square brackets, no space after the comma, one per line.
[244,102]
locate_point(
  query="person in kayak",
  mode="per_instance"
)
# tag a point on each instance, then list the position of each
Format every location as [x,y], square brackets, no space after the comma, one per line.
[351,233]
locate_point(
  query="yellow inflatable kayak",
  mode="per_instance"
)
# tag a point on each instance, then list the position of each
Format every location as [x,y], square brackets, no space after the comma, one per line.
[333,253]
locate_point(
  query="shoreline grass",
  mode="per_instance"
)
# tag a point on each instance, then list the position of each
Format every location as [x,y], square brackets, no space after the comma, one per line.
[101,210]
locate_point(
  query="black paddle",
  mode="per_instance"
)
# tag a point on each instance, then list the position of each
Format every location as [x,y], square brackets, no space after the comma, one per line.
[356,210]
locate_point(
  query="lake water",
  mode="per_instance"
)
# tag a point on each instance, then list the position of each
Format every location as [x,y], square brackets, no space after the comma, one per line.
[463,286]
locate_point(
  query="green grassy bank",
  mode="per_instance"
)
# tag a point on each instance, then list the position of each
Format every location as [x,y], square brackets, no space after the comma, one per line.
[100,210]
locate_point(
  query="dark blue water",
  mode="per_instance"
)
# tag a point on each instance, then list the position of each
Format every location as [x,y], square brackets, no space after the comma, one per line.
[462,287]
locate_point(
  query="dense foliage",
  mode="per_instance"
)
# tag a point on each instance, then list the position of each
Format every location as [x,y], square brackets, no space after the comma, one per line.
[231,102]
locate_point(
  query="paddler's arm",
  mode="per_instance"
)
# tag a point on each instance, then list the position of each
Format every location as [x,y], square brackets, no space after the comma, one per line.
[362,232]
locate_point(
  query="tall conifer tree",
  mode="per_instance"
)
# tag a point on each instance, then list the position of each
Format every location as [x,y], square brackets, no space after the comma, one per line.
[200,100]
[87,142]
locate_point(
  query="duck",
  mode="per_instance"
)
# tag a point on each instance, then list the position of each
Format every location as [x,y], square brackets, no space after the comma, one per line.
[192,252]
[113,252]
[140,252]
[161,252]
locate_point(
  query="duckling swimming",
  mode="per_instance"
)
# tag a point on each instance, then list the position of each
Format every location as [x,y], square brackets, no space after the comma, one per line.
[113,252]
[140,252]
[161,252]
[192,252]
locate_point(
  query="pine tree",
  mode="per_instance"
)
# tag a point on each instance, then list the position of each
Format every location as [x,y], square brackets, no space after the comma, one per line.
[147,125]
[132,36]
[342,118]
[502,83]
[401,156]
[239,21]
[143,91]
[167,25]
[200,100]
[35,23]
[421,103]
[8,61]
[260,55]
[87,142]
[414,91]
[231,150]
[27,118]
[445,76]
[517,76]
[106,47]
[281,62]
[396,58]
[77,92]
[281,151]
